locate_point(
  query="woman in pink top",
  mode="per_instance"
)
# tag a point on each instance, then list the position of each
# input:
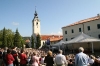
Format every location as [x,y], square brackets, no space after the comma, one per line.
[35,60]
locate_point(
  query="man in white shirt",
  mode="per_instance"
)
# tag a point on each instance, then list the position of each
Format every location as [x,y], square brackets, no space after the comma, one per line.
[60,59]
[91,60]
[81,59]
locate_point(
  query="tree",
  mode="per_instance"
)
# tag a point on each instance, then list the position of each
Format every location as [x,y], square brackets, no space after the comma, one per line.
[9,37]
[22,43]
[38,41]
[1,33]
[17,39]
[9,41]
[32,41]
[4,38]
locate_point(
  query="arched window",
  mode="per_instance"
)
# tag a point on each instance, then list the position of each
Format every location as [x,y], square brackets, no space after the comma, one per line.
[43,43]
[37,23]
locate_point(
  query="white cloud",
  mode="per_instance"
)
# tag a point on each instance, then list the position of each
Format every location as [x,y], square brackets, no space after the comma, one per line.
[52,33]
[56,33]
[59,33]
[59,28]
[15,23]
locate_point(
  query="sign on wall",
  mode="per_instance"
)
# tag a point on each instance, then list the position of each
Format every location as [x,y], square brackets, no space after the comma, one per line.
[48,42]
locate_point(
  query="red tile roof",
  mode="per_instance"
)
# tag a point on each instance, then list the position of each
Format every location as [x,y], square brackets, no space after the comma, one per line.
[27,40]
[84,21]
[56,39]
[52,37]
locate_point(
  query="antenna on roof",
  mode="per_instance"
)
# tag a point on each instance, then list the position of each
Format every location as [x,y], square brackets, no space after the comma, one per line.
[98,15]
[35,8]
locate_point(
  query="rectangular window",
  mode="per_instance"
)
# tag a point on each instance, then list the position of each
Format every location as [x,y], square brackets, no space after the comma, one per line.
[98,26]
[99,36]
[65,32]
[66,39]
[88,27]
[72,31]
[79,29]
[72,38]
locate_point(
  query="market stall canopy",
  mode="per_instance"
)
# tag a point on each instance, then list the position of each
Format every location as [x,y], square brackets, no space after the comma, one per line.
[82,38]
[59,43]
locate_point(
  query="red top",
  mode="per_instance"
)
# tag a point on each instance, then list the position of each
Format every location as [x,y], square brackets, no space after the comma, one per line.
[14,55]
[23,58]
[9,58]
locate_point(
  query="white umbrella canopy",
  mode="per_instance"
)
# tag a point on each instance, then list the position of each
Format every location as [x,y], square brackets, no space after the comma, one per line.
[59,43]
[91,40]
[82,38]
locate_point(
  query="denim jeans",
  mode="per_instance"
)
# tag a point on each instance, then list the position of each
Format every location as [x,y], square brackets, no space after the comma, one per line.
[10,64]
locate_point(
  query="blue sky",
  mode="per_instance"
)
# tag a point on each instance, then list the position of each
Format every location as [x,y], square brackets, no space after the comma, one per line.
[53,14]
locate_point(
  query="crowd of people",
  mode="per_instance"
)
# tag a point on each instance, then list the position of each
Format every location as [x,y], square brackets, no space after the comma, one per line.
[36,57]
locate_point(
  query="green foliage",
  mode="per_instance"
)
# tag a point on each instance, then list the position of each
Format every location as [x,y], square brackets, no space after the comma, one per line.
[25,38]
[1,33]
[38,41]
[17,39]
[32,41]
[4,38]
[22,43]
[0,43]
[10,39]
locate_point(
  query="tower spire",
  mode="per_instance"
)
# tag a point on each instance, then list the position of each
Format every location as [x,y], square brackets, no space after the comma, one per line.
[35,8]
[35,14]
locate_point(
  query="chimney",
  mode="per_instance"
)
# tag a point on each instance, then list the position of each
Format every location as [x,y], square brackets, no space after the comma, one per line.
[98,15]
[52,36]
[59,36]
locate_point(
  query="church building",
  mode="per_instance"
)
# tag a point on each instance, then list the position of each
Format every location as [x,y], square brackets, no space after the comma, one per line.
[36,29]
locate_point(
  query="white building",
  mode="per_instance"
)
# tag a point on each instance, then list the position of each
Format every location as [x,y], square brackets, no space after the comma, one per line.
[36,30]
[90,26]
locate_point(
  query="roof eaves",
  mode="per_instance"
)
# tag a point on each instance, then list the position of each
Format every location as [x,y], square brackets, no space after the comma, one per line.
[83,21]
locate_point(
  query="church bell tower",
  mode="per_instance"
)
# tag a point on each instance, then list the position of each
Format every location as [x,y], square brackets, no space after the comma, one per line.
[35,25]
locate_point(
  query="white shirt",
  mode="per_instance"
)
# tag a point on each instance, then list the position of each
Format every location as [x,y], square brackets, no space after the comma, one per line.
[81,59]
[91,61]
[60,59]
[98,58]
[42,60]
